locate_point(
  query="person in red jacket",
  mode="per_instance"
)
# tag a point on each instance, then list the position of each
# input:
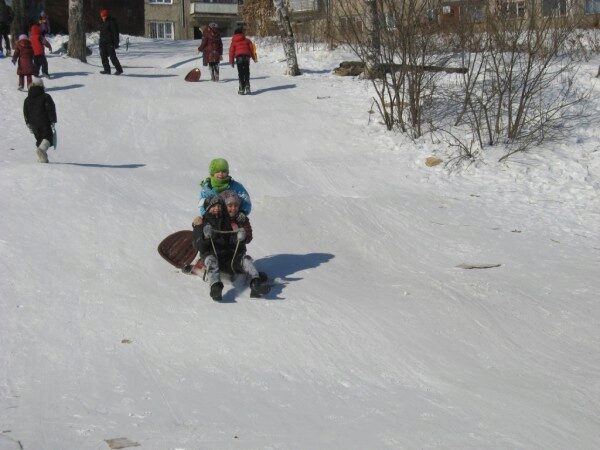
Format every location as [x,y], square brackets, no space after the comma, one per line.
[241,50]
[212,50]
[24,54]
[38,42]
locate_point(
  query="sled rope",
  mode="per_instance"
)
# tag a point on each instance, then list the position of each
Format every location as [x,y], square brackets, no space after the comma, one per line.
[237,246]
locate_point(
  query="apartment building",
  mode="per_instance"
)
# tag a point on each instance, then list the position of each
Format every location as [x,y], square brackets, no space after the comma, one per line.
[183,19]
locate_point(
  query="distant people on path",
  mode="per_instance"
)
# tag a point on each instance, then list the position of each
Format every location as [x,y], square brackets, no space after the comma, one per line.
[23,58]
[39,45]
[109,42]
[6,18]
[240,51]
[212,50]
[40,116]
[44,23]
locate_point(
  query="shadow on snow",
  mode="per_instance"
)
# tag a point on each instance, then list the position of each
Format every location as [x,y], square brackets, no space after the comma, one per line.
[64,88]
[102,166]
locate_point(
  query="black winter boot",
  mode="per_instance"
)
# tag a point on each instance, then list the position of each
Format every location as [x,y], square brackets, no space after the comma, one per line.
[258,288]
[241,89]
[247,91]
[216,291]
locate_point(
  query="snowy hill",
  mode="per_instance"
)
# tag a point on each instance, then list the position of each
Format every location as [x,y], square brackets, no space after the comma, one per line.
[373,339]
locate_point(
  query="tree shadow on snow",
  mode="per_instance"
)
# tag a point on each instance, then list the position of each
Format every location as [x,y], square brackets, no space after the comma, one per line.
[274,88]
[138,75]
[69,74]
[316,72]
[64,88]
[284,265]
[229,80]
[102,166]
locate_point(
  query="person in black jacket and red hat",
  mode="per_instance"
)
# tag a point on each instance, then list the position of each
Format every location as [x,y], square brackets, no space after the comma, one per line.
[109,42]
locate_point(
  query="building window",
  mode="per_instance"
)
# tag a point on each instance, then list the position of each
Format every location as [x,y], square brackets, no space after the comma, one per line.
[350,25]
[473,11]
[390,21]
[161,30]
[162,2]
[554,7]
[592,6]
[512,8]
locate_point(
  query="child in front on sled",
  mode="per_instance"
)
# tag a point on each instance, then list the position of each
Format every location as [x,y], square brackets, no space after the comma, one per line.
[40,117]
[220,246]
[241,223]
[23,58]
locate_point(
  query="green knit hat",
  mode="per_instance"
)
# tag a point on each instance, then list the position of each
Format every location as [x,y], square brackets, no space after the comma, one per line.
[218,165]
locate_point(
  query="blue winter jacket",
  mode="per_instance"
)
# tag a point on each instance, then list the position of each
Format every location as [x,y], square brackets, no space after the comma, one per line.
[207,191]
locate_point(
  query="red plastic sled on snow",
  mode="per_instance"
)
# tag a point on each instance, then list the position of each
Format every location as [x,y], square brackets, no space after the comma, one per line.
[193,75]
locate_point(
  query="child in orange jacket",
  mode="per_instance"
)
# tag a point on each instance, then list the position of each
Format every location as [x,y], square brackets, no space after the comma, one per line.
[39,45]
[241,50]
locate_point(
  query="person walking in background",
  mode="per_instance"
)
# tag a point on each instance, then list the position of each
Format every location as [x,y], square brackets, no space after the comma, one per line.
[6,18]
[23,57]
[39,45]
[241,50]
[40,116]
[212,50]
[109,42]
[44,23]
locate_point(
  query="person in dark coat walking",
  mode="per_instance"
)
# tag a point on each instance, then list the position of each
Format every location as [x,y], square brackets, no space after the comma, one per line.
[40,116]
[241,50]
[109,42]
[212,50]
[6,18]
[44,23]
[24,55]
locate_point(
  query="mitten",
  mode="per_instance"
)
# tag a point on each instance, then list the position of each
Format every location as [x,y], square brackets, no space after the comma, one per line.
[208,231]
[241,217]
[241,235]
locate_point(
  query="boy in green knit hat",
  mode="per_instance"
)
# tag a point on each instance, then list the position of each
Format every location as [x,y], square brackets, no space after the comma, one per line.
[219,181]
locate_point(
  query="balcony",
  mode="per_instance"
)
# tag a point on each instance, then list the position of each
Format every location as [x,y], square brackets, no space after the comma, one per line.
[222,7]
[304,6]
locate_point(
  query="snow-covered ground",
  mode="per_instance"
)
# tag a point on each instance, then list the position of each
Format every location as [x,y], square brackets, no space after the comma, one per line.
[373,339]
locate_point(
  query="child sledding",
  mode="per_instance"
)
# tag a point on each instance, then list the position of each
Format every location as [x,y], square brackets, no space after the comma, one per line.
[220,235]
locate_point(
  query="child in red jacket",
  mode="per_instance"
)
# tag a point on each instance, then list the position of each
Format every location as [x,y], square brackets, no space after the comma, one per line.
[38,42]
[24,54]
[241,50]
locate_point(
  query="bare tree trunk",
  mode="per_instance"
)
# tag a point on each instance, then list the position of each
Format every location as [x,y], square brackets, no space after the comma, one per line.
[19,24]
[76,47]
[289,42]
[374,42]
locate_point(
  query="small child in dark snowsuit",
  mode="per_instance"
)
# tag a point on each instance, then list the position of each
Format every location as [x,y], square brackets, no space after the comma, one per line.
[40,116]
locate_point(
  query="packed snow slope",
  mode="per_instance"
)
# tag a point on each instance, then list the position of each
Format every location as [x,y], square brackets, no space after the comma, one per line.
[372,337]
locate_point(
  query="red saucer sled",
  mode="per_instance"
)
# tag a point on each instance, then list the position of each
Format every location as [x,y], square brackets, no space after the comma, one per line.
[193,75]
